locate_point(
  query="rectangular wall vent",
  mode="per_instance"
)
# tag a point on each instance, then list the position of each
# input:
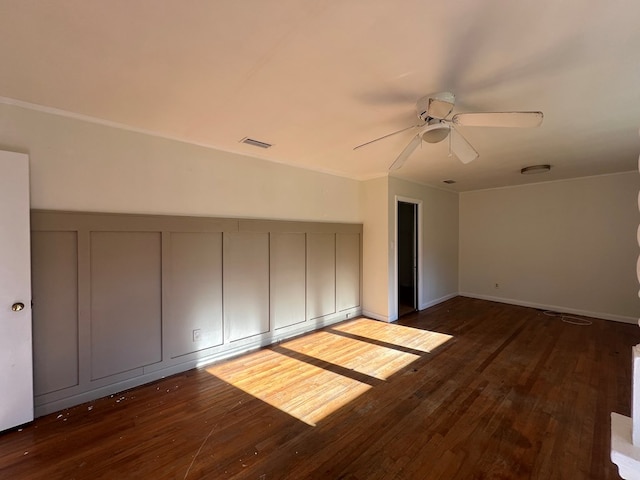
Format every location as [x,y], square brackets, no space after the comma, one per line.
[255,143]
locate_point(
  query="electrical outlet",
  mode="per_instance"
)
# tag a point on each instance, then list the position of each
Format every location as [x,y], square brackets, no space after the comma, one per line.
[497,285]
[197,335]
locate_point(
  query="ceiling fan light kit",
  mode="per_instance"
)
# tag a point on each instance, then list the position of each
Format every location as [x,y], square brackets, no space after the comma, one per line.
[435,133]
[533,169]
[433,110]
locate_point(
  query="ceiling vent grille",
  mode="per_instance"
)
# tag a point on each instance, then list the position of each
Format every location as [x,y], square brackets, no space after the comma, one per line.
[255,143]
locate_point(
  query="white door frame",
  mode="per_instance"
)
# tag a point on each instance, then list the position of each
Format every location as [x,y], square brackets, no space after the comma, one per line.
[394,300]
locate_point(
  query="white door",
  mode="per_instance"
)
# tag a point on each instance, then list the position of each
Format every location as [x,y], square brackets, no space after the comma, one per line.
[16,363]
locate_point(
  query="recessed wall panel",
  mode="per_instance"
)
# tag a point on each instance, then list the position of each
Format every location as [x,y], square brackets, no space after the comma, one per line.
[194,321]
[126,291]
[321,274]
[288,278]
[117,297]
[246,284]
[347,271]
[54,264]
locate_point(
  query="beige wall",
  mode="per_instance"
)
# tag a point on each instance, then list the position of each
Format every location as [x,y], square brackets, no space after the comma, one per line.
[568,245]
[375,248]
[78,165]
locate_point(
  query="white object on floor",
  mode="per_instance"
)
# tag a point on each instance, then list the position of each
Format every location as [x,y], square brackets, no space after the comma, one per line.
[623,453]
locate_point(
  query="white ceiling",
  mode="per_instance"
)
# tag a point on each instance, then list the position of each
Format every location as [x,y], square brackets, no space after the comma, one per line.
[316,78]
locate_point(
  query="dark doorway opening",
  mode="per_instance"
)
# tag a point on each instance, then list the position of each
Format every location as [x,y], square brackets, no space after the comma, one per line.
[407,258]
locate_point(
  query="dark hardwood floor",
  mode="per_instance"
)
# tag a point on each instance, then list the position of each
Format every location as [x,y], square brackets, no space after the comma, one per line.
[468,389]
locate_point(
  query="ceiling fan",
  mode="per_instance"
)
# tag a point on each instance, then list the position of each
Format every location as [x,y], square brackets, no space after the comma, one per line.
[433,126]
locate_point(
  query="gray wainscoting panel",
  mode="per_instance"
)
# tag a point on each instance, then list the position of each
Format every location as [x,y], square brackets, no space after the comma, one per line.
[126,299]
[288,279]
[117,297]
[246,284]
[347,271]
[55,310]
[321,274]
[194,295]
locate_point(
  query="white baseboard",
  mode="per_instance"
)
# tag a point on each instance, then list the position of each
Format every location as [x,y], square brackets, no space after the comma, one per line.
[424,305]
[376,316]
[555,308]
[389,319]
[431,303]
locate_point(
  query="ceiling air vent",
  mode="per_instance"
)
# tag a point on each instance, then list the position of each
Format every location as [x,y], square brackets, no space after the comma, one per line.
[255,143]
[449,181]
[533,169]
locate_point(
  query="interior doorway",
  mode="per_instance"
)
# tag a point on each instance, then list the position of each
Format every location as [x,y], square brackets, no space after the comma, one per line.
[407,261]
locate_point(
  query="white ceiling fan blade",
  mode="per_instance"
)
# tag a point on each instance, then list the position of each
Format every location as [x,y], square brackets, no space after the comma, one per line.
[462,148]
[384,136]
[408,150]
[499,119]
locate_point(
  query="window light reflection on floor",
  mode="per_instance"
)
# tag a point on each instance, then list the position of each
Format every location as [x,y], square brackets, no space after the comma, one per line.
[304,391]
[400,335]
[291,376]
[361,356]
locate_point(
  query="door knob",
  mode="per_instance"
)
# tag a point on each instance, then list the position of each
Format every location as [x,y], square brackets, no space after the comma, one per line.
[16,307]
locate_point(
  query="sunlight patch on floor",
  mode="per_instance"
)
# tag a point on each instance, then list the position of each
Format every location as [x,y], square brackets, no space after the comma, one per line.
[304,391]
[290,376]
[361,356]
[414,338]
